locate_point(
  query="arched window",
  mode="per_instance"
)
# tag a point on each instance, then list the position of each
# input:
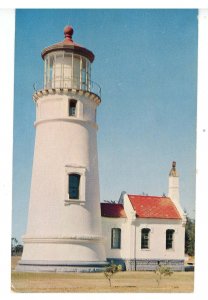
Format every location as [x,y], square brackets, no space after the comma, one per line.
[73,186]
[72,107]
[145,238]
[115,238]
[169,238]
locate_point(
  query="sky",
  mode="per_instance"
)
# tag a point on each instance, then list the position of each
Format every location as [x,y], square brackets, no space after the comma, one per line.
[146,64]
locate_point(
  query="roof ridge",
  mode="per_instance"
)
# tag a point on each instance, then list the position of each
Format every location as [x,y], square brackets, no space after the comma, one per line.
[138,195]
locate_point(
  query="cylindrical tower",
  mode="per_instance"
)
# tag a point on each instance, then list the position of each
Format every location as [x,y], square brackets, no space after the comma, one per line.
[64,220]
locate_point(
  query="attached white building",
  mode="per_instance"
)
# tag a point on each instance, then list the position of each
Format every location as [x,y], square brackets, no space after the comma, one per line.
[142,231]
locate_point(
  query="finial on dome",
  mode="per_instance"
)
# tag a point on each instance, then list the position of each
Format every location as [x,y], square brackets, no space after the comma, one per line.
[68,32]
[174,164]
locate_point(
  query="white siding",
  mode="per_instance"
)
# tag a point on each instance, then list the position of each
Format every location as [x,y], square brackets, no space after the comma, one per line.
[131,238]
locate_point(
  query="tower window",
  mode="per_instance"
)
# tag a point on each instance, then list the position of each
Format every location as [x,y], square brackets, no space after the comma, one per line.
[74,184]
[115,238]
[169,238]
[72,107]
[145,238]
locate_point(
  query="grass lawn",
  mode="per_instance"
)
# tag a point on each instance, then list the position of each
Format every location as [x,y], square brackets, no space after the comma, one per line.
[96,282]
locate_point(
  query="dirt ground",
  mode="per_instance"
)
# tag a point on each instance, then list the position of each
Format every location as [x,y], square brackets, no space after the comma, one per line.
[96,282]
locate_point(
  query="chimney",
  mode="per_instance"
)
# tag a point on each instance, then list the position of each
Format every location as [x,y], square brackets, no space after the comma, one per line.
[173,190]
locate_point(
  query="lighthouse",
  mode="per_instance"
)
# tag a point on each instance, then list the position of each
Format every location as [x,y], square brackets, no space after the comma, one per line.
[64,219]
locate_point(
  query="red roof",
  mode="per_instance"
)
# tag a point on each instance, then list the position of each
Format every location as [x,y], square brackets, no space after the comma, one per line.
[112,210]
[154,207]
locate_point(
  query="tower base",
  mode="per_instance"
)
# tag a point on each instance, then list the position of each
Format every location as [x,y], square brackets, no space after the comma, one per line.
[60,266]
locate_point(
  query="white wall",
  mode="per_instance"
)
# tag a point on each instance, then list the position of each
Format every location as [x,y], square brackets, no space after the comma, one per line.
[131,238]
[107,225]
[56,229]
[157,240]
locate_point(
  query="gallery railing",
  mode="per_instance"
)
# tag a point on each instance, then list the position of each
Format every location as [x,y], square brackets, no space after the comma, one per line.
[69,83]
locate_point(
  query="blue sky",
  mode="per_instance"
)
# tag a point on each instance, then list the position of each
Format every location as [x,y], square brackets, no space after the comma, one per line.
[146,64]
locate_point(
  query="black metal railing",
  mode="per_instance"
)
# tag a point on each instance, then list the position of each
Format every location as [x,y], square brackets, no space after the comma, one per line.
[71,83]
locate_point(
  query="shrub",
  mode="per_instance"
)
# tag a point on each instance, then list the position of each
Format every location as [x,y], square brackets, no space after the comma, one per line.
[162,271]
[111,270]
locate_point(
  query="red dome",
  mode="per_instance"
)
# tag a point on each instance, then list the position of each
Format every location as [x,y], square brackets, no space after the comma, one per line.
[69,45]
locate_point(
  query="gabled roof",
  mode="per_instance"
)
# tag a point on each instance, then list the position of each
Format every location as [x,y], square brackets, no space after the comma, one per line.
[154,207]
[112,210]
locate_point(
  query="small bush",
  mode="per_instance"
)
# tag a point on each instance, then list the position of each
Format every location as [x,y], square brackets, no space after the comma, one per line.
[162,271]
[111,270]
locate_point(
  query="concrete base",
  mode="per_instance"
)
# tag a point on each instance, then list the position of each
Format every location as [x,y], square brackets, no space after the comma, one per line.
[60,266]
[147,264]
[152,264]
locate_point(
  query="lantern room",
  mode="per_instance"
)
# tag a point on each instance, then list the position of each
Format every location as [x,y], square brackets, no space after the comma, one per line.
[67,64]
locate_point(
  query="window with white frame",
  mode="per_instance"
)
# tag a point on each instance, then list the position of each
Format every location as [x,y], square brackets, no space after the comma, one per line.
[145,238]
[169,238]
[115,238]
[75,184]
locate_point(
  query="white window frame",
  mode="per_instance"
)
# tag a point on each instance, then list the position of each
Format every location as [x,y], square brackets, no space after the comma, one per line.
[82,172]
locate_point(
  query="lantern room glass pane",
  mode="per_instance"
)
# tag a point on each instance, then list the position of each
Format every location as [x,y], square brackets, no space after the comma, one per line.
[51,68]
[49,71]
[76,72]
[59,70]
[46,72]
[84,74]
[88,75]
[67,70]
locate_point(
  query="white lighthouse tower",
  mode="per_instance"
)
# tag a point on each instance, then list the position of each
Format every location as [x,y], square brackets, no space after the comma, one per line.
[64,220]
